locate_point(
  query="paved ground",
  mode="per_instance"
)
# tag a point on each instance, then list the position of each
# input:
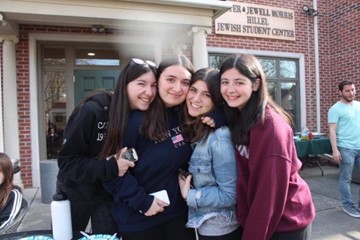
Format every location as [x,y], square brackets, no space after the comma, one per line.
[330,222]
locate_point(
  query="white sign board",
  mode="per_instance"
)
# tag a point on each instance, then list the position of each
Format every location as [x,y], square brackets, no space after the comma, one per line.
[251,20]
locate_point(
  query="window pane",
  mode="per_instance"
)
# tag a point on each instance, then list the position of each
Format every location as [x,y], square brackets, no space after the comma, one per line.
[272,90]
[215,61]
[288,98]
[97,57]
[55,110]
[269,66]
[287,69]
[54,56]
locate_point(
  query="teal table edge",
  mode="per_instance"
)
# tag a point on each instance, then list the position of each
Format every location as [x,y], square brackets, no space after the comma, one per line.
[314,147]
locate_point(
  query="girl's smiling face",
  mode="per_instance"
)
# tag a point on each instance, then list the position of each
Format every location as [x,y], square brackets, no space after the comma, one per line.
[141,91]
[198,99]
[173,85]
[236,89]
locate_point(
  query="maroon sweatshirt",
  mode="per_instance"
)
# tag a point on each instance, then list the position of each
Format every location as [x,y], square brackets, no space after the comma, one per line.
[272,197]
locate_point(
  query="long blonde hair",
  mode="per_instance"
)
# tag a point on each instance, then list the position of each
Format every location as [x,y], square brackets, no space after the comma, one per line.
[6,186]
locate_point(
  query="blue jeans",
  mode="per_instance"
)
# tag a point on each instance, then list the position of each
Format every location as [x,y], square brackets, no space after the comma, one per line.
[349,159]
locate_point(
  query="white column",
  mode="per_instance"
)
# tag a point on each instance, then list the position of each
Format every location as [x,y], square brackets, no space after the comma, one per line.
[317,70]
[200,54]
[10,101]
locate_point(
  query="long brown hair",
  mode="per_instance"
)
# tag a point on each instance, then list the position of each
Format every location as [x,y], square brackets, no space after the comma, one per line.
[240,122]
[6,186]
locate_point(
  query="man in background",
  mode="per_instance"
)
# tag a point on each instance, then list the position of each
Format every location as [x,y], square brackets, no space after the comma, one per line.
[344,133]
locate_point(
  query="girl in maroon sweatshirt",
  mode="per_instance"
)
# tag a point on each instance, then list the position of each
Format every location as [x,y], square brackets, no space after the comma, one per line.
[273,201]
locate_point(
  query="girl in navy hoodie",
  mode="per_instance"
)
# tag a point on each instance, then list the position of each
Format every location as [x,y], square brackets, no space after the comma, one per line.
[162,149]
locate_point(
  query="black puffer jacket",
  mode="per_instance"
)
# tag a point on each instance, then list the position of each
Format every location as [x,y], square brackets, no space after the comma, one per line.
[80,171]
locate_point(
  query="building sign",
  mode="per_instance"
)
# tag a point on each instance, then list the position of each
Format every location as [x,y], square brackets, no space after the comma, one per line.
[252,20]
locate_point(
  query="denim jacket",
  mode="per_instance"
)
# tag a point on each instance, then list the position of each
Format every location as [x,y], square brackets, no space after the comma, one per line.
[213,169]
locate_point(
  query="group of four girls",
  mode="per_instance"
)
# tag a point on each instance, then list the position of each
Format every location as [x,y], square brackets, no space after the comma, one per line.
[243,181]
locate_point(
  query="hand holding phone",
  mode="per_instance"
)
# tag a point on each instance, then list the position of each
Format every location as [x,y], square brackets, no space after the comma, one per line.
[130,154]
[162,195]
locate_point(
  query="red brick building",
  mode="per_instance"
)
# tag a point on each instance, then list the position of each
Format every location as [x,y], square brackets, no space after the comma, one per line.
[45,62]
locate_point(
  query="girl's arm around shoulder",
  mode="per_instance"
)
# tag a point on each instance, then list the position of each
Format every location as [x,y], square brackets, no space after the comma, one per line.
[218,115]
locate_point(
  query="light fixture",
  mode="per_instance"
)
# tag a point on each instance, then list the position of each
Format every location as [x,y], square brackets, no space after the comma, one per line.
[310,11]
[97,28]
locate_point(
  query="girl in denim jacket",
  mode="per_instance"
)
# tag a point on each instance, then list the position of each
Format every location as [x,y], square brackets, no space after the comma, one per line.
[212,198]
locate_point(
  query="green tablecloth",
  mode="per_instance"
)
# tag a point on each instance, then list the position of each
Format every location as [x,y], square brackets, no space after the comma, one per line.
[317,146]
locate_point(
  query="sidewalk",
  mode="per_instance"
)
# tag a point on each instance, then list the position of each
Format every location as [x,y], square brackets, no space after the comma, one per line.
[38,216]
[331,223]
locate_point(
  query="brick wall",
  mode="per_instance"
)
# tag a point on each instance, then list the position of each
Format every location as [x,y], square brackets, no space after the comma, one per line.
[342,49]
[23,83]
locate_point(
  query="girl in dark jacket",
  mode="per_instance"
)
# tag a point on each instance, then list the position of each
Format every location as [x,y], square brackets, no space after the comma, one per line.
[81,173]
